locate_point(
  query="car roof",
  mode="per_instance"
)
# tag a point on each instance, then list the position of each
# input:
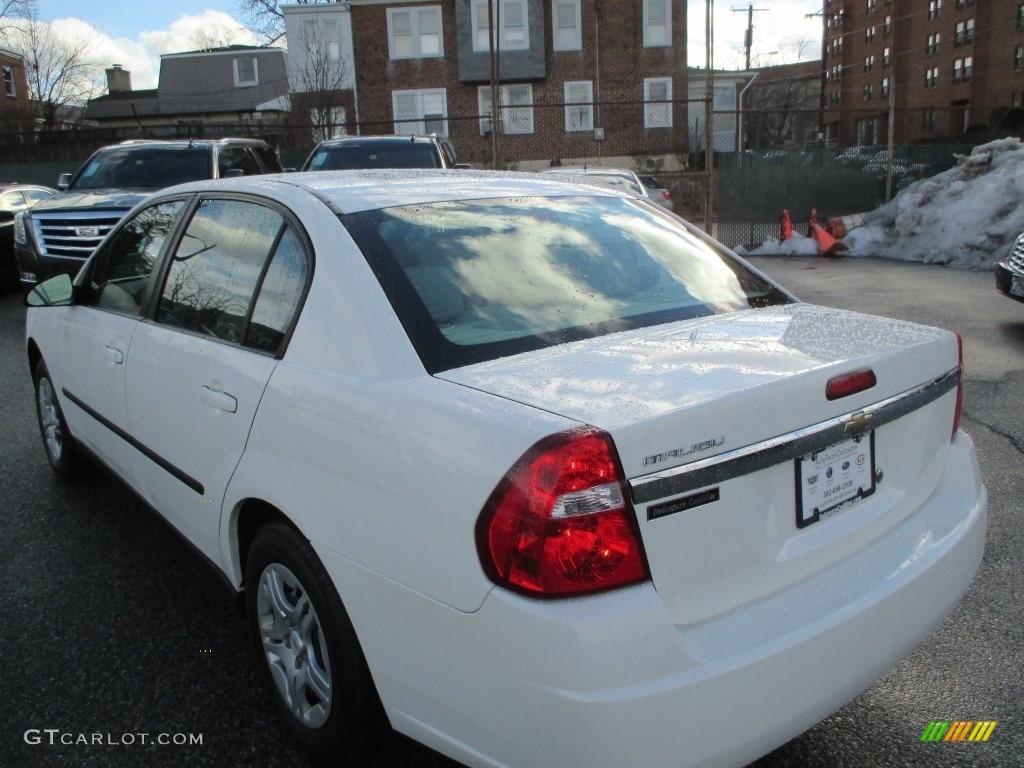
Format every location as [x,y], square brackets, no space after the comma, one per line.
[388,138]
[583,170]
[363,190]
[4,187]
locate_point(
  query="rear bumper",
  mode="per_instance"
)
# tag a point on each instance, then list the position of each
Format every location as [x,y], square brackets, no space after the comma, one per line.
[609,680]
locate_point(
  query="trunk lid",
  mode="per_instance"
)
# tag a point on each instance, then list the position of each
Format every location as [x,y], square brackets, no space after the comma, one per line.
[723,394]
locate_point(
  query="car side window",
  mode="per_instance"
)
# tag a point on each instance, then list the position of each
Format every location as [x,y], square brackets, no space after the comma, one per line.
[237,275]
[241,158]
[120,270]
[35,195]
[268,158]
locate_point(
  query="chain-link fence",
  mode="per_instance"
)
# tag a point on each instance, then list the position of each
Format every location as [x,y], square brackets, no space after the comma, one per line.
[653,136]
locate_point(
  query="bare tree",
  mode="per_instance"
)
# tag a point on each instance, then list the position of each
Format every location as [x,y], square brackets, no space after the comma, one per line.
[265,19]
[322,80]
[14,9]
[215,37]
[61,71]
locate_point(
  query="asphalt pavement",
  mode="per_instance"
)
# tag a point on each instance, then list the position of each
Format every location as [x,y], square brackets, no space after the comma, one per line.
[111,627]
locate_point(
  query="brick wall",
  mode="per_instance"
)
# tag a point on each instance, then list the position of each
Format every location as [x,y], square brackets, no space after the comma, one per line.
[612,35]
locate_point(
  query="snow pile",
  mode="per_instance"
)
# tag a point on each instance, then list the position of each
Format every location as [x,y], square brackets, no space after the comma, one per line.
[966,217]
[797,245]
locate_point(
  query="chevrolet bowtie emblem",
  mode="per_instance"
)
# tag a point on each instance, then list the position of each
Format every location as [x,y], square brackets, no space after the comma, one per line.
[858,423]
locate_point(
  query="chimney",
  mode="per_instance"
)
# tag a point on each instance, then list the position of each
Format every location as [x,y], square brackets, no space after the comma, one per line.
[118,80]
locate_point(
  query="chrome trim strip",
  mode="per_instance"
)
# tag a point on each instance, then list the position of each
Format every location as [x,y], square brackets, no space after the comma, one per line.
[768,453]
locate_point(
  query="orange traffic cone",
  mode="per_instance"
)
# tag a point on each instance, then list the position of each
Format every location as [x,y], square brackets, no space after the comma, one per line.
[786,231]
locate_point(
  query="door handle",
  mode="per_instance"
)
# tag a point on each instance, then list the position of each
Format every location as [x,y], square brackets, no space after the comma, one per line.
[113,354]
[220,400]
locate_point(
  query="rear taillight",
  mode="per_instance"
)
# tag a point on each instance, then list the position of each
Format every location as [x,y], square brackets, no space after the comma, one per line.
[559,523]
[958,411]
[666,195]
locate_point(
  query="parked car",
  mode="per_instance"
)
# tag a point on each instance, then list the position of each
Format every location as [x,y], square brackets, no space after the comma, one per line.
[549,477]
[1010,272]
[656,191]
[58,234]
[356,152]
[620,178]
[15,198]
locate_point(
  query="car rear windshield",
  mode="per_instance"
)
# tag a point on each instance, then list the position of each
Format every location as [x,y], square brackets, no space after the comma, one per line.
[402,154]
[144,167]
[481,279]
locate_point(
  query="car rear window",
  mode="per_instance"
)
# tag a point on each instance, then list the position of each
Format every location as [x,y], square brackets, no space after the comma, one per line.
[481,279]
[392,155]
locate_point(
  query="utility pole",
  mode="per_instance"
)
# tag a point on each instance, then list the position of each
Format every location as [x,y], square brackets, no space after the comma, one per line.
[749,37]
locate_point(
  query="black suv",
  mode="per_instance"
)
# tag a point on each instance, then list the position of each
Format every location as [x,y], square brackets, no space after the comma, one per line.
[355,152]
[58,235]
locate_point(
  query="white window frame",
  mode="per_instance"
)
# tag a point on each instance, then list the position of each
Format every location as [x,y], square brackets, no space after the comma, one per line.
[657,35]
[584,107]
[515,118]
[416,16]
[576,44]
[239,83]
[478,22]
[652,111]
[419,95]
[10,88]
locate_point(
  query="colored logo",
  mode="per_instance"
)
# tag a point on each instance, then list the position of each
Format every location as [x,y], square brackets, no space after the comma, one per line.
[958,730]
[846,465]
[861,458]
[828,472]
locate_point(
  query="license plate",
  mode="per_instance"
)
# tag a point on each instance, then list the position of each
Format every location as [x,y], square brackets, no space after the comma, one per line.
[1017,286]
[833,479]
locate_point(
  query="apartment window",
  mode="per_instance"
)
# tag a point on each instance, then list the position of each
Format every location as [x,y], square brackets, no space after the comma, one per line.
[958,34]
[9,88]
[969,31]
[958,70]
[836,98]
[871,6]
[657,23]
[867,91]
[869,63]
[885,86]
[415,33]
[246,72]
[934,8]
[515,103]
[1020,16]
[837,73]
[968,61]
[579,106]
[1018,60]
[512,25]
[887,26]
[933,43]
[566,26]
[657,102]
[931,77]
[928,120]
[420,111]
[869,35]
[886,57]
[1014,99]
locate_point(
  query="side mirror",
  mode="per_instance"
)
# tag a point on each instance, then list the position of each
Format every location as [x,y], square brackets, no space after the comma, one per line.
[462,166]
[63,182]
[233,173]
[57,291]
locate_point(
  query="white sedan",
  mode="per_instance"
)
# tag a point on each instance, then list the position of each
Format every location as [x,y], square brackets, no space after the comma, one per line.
[532,467]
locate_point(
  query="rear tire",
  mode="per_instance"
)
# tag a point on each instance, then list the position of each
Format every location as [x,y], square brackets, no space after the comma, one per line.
[61,450]
[308,650]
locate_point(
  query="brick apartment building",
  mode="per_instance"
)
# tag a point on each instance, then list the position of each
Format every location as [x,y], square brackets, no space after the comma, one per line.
[953,67]
[577,79]
[15,108]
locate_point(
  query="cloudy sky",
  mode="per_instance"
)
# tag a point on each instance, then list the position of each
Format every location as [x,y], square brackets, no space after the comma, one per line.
[135,33]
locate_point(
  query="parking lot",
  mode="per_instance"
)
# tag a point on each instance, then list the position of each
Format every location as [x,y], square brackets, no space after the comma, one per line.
[112,626]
